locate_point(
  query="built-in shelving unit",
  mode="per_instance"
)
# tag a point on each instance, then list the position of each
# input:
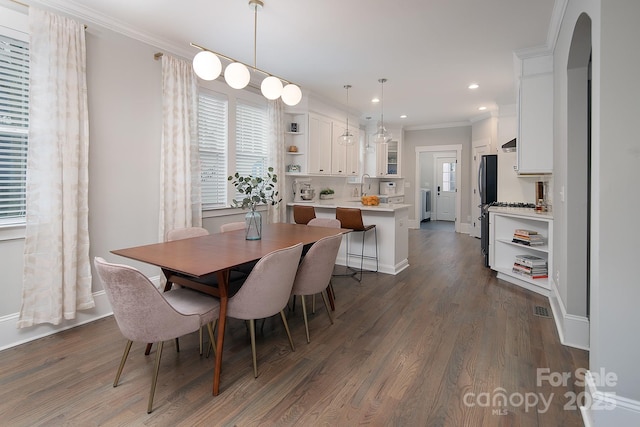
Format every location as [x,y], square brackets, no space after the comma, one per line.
[503,251]
[296,135]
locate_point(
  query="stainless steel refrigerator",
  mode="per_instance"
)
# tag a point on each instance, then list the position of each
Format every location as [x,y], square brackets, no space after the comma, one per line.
[488,188]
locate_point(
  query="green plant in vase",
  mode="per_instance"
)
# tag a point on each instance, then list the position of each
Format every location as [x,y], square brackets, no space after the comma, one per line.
[326,193]
[256,190]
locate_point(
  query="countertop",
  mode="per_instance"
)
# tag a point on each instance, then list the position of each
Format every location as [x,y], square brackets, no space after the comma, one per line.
[523,212]
[352,203]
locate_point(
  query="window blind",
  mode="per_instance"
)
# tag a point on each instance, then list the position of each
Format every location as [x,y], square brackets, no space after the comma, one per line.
[252,127]
[212,134]
[14,126]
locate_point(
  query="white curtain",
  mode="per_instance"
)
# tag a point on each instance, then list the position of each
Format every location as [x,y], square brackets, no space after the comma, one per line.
[277,213]
[57,270]
[180,197]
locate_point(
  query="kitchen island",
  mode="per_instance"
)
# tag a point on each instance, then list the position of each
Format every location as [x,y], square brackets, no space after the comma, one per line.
[391,224]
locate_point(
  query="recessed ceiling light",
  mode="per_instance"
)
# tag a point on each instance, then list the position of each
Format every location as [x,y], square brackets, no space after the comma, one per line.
[404,116]
[375,100]
[482,108]
[474,86]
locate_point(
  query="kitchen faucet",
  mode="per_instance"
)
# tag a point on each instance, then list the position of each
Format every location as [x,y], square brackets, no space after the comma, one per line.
[362,183]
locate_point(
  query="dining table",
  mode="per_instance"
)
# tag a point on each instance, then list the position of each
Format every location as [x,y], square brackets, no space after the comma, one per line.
[185,261]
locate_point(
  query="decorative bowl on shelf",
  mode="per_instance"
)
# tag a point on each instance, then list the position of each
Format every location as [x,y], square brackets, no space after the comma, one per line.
[293,149]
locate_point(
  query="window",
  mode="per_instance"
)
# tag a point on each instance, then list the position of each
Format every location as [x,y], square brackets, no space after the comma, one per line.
[221,120]
[449,176]
[212,134]
[14,127]
[252,128]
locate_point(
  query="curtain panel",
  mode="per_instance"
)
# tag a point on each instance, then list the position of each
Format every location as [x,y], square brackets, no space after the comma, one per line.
[275,109]
[180,198]
[57,270]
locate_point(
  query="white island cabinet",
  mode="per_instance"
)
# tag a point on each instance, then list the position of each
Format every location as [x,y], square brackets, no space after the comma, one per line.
[391,225]
[503,251]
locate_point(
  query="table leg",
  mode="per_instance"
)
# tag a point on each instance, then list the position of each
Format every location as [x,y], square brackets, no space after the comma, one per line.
[331,297]
[223,288]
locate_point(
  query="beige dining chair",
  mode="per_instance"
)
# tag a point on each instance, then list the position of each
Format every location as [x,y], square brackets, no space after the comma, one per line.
[232,226]
[331,223]
[314,273]
[144,314]
[266,292]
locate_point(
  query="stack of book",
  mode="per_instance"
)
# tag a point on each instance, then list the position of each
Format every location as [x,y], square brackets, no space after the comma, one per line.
[527,237]
[530,266]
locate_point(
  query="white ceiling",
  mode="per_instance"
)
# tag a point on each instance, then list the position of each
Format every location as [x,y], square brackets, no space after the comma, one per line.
[429,50]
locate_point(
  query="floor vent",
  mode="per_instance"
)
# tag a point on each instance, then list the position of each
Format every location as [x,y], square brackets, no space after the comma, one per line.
[541,311]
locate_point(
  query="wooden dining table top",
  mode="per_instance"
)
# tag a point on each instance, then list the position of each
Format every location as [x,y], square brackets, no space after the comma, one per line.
[199,256]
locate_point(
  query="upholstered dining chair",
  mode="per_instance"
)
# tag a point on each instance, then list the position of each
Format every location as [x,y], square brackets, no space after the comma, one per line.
[144,314]
[266,292]
[314,273]
[236,278]
[302,214]
[332,223]
[352,218]
[231,226]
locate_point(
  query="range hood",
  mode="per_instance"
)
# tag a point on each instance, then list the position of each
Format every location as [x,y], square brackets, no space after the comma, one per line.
[510,146]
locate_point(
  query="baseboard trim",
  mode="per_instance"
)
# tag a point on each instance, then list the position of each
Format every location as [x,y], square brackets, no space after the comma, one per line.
[607,408]
[573,330]
[11,336]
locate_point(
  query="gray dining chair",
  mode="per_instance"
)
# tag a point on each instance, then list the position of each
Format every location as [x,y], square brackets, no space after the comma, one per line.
[232,226]
[144,314]
[266,292]
[314,273]
[331,223]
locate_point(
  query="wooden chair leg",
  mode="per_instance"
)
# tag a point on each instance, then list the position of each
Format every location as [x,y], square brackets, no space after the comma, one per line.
[304,314]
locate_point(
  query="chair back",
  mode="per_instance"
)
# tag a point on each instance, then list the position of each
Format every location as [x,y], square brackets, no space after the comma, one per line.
[268,287]
[350,218]
[186,233]
[303,214]
[315,270]
[324,222]
[140,310]
[231,226]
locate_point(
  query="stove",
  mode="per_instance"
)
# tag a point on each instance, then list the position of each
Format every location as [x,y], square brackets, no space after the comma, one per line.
[513,205]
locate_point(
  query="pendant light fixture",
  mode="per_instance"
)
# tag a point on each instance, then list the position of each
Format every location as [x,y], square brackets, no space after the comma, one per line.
[382,136]
[207,66]
[347,137]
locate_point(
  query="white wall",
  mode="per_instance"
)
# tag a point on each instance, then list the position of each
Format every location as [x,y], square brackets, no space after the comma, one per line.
[615,292]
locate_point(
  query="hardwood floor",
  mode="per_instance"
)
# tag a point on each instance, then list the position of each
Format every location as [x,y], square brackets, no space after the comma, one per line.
[437,345]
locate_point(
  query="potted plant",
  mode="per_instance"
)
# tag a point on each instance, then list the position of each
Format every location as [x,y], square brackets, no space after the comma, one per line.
[256,190]
[326,193]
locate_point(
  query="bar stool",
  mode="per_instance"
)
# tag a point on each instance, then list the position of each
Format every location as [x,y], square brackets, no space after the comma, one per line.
[303,214]
[352,218]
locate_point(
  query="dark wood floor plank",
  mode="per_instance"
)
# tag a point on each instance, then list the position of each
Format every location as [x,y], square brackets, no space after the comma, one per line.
[419,348]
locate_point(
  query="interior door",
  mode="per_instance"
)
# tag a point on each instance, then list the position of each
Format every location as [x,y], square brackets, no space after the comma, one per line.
[446,188]
[479,150]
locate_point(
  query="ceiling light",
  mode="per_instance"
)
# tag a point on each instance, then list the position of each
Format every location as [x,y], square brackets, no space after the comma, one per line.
[382,136]
[347,137]
[404,116]
[474,86]
[375,100]
[207,66]
[482,108]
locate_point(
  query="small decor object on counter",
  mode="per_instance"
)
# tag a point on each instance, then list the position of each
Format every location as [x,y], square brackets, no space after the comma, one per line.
[294,128]
[370,200]
[256,190]
[326,193]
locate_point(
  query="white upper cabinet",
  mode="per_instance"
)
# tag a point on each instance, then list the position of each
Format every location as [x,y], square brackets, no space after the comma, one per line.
[535,116]
[326,155]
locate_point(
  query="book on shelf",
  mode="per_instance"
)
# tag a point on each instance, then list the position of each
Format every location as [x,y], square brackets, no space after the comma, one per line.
[521,237]
[525,232]
[531,260]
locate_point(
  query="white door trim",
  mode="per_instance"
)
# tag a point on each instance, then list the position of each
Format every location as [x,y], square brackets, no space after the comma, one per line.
[430,148]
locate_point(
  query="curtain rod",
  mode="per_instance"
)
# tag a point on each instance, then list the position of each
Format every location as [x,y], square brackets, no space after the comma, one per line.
[157,55]
[27,6]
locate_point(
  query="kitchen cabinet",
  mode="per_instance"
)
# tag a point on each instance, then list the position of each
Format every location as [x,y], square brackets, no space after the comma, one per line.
[320,132]
[502,250]
[386,160]
[535,123]
[326,155]
[295,136]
